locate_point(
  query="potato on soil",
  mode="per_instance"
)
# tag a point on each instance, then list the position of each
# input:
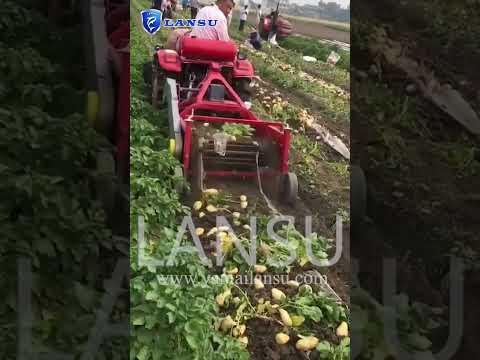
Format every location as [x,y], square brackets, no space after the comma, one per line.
[197,205]
[260,269]
[307,343]
[232,271]
[199,231]
[278,295]
[282,338]
[258,284]
[287,321]
[211,191]
[243,340]
[293,284]
[227,324]
[342,330]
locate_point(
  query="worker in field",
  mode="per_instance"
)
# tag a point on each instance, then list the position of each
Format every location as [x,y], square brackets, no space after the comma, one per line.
[193,8]
[258,14]
[218,12]
[243,17]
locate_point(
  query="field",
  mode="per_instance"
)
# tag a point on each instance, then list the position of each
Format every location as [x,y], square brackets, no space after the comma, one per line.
[421,163]
[230,320]
[320,29]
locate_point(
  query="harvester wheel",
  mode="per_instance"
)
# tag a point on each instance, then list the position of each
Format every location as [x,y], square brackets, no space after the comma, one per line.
[289,189]
[158,81]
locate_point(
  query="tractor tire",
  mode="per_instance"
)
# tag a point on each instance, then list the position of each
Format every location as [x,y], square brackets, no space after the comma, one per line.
[289,189]
[147,72]
[358,191]
[159,77]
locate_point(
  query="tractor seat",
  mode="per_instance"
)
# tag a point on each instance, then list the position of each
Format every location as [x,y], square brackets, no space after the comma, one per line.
[206,49]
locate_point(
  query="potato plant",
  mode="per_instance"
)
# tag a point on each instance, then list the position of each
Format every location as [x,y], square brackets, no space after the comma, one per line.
[49,213]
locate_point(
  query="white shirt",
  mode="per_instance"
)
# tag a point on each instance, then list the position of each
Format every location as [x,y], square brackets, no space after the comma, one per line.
[219,31]
[244,14]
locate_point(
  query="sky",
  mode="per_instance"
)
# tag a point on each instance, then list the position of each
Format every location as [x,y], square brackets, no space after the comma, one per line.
[343,3]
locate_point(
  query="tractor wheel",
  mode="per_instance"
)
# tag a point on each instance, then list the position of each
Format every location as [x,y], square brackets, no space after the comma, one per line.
[147,73]
[289,188]
[158,81]
[358,193]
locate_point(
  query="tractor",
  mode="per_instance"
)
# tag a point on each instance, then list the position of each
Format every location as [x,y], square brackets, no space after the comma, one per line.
[204,88]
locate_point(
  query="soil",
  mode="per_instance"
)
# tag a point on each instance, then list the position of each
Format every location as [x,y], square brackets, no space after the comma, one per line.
[422,204]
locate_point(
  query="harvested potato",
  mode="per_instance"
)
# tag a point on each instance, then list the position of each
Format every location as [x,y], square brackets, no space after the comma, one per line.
[246,227]
[232,271]
[210,191]
[287,321]
[307,343]
[227,324]
[297,320]
[278,295]
[220,299]
[235,332]
[211,208]
[282,338]
[199,231]
[260,269]
[236,300]
[212,231]
[293,284]
[241,329]
[237,223]
[243,340]
[243,204]
[197,205]
[258,284]
[201,214]
[236,215]
[243,198]
[342,330]
[223,228]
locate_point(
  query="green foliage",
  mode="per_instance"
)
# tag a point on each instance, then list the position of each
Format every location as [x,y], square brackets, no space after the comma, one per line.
[316,49]
[318,307]
[49,213]
[239,130]
[334,352]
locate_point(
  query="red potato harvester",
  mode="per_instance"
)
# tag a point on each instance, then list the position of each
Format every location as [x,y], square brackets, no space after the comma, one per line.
[205,86]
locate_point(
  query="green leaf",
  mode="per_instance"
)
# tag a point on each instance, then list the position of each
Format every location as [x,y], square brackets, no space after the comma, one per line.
[144,353]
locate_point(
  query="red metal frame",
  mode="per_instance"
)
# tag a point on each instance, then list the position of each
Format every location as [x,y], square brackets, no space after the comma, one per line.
[188,107]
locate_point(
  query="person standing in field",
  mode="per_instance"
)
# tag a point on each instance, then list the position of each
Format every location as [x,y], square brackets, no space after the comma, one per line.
[243,17]
[193,9]
[259,13]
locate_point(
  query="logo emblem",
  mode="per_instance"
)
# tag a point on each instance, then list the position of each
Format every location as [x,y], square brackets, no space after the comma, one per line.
[151,20]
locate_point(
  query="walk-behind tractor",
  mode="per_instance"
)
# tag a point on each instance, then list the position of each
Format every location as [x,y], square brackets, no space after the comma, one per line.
[213,133]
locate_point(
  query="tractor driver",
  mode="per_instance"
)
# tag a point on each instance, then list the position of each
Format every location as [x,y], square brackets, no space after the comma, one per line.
[219,12]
